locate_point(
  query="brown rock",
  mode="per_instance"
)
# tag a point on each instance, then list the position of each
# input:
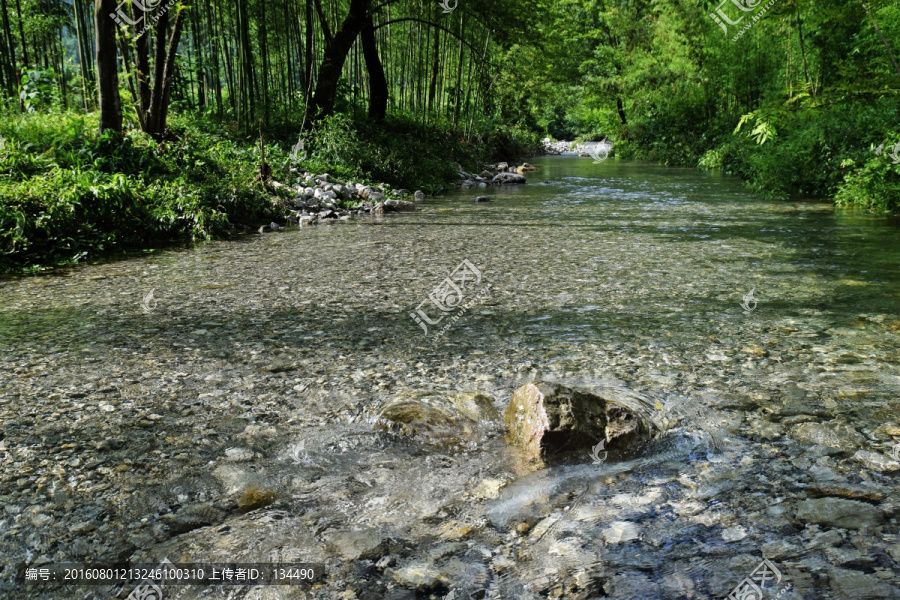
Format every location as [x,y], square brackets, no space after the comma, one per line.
[255,497]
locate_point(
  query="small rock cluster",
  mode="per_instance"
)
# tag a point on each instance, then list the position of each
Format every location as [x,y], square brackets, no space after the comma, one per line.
[318,198]
[498,174]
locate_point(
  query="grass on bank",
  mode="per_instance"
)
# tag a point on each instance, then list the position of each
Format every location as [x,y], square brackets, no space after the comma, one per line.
[68,195]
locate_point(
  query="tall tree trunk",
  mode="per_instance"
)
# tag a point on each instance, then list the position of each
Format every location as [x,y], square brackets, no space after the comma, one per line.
[7,33]
[378,92]
[142,74]
[82,58]
[214,46]
[197,42]
[620,107]
[163,70]
[247,96]
[432,85]
[307,81]
[263,42]
[22,32]
[459,69]
[337,47]
[803,50]
[107,68]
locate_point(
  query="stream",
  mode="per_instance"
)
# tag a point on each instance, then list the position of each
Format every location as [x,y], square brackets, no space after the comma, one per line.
[219,404]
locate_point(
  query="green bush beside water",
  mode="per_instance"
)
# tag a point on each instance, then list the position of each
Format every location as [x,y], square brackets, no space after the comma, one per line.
[68,195]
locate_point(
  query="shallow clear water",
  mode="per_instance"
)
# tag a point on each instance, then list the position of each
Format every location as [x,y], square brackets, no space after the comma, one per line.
[616,275]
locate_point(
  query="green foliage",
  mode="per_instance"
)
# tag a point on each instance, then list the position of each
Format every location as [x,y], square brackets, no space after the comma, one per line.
[67,195]
[875,185]
[403,153]
[37,89]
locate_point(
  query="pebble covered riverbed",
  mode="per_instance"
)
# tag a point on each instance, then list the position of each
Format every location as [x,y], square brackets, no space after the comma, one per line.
[231,416]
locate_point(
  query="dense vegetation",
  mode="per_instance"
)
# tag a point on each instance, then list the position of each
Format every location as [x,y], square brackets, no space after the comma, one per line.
[136,124]
[804,102]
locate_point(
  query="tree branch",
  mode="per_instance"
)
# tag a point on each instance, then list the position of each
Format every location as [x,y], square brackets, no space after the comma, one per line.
[326,30]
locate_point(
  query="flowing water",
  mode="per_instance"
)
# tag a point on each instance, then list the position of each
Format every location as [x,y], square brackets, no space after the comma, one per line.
[218,404]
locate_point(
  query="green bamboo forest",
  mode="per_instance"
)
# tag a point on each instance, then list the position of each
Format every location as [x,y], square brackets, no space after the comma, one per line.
[132,124]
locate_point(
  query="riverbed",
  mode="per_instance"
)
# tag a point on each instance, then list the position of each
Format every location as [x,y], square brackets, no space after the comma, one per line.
[218,404]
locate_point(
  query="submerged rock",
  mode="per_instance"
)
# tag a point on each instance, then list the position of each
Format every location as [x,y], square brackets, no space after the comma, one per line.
[481,199]
[834,436]
[398,206]
[501,178]
[856,585]
[355,545]
[838,512]
[441,418]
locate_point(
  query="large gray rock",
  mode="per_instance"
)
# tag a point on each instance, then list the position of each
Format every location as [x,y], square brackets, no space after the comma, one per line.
[839,512]
[505,178]
[398,205]
[876,462]
[544,418]
[419,195]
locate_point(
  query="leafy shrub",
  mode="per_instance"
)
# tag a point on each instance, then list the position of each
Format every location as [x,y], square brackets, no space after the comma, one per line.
[876,184]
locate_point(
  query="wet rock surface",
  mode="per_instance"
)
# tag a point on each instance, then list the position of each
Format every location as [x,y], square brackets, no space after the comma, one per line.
[545,418]
[132,429]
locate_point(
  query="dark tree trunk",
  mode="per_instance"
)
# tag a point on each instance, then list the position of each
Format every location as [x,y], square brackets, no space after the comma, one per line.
[142,74]
[309,51]
[10,52]
[107,69]
[378,92]
[337,47]
[22,32]
[621,108]
[432,85]
[163,70]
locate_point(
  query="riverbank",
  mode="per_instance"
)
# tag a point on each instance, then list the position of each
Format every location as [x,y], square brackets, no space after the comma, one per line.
[68,196]
[233,416]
